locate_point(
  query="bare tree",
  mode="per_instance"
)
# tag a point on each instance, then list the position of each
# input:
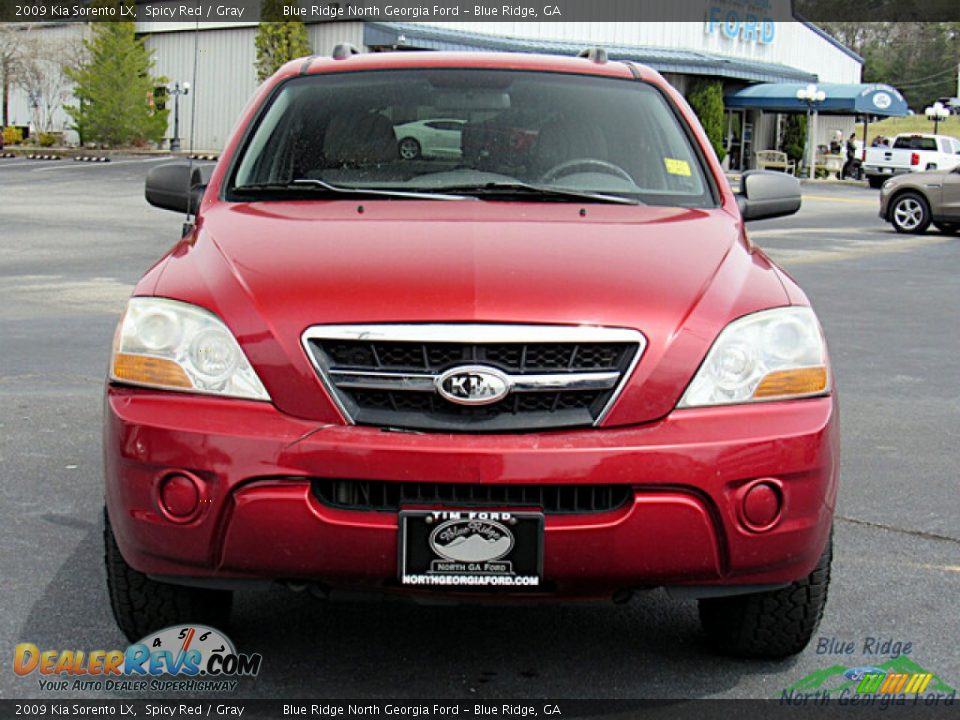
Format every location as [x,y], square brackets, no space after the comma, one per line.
[41,76]
[12,41]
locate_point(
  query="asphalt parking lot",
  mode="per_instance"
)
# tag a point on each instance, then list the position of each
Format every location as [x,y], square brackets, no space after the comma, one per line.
[74,237]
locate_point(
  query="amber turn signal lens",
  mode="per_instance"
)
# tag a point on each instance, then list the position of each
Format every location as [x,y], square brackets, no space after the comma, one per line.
[149,371]
[784,383]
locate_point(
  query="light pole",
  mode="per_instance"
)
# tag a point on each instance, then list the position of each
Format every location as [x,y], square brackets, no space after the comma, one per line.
[936,112]
[812,96]
[178,90]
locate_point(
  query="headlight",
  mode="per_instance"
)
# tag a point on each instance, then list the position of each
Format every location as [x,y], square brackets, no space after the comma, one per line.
[176,346]
[770,355]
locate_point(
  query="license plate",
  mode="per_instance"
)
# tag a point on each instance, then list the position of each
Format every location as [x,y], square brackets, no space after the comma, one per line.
[471,548]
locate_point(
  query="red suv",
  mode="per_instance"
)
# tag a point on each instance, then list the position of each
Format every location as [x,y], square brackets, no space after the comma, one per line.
[548,364]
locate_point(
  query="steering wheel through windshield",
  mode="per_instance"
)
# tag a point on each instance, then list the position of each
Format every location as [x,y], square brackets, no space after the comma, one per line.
[569,167]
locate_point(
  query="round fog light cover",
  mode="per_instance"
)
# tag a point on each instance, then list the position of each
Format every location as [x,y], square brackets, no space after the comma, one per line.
[179,496]
[761,505]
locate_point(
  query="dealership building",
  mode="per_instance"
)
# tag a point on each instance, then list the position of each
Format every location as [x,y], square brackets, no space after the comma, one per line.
[785,55]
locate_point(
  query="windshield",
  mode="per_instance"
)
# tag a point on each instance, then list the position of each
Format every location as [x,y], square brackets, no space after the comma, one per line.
[471,133]
[915,143]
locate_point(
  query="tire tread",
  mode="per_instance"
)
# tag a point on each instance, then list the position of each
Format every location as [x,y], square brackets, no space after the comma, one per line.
[141,605]
[773,624]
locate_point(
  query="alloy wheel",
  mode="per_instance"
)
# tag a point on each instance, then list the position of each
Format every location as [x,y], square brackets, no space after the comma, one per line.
[910,214]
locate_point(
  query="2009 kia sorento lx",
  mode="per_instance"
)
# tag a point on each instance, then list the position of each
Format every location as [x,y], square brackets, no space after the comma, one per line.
[549,365]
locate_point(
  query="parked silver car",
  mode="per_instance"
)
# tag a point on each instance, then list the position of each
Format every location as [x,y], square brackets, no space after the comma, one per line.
[915,201]
[435,138]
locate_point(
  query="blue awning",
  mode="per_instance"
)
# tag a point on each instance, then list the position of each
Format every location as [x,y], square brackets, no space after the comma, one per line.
[842,99]
[665,60]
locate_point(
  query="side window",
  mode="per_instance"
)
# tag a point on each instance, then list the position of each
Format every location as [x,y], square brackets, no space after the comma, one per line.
[916,143]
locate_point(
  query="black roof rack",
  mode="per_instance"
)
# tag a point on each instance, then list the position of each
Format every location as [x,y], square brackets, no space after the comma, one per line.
[344,50]
[594,54]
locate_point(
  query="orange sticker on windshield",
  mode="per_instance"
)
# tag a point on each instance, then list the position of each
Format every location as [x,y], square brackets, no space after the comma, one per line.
[677,167]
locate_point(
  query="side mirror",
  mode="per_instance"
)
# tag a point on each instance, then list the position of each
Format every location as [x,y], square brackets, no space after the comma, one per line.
[177,186]
[767,194]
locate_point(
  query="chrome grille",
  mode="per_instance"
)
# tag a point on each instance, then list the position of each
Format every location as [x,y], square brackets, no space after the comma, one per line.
[556,376]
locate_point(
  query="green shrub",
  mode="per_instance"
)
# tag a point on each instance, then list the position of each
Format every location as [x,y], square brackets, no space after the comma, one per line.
[47,139]
[706,99]
[114,86]
[795,136]
[12,135]
[278,41]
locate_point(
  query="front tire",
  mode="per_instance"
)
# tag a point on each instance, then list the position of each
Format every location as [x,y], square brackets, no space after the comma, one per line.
[773,624]
[409,148]
[910,213]
[142,606]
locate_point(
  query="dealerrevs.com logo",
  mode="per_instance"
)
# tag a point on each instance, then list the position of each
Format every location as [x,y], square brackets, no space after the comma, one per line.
[181,658]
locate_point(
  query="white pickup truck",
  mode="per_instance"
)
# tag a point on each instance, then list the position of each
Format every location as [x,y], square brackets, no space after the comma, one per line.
[910,153]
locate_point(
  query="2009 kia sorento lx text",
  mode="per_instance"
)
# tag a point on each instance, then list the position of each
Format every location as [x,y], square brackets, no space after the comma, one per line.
[550,365]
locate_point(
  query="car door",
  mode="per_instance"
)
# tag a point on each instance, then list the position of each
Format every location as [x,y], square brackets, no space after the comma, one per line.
[950,202]
[952,157]
[445,137]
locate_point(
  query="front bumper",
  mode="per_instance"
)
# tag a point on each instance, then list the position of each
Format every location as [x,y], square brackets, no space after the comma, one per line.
[259,519]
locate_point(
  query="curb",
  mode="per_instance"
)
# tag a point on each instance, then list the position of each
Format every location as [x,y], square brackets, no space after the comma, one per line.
[91,158]
[68,152]
[735,179]
[43,157]
[827,181]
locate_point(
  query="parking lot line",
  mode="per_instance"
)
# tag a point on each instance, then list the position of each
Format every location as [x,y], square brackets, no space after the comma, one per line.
[831,231]
[789,257]
[828,198]
[933,567]
[74,166]
[25,162]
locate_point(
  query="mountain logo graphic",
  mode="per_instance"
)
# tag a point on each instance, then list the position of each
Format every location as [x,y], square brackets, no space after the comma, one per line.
[471,540]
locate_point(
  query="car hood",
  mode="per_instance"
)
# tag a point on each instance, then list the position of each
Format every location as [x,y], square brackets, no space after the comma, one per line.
[919,179]
[272,269]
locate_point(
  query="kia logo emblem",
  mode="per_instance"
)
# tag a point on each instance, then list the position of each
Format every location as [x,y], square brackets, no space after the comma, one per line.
[473,385]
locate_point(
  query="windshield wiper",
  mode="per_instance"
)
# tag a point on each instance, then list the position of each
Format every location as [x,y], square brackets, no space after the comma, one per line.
[311,184]
[495,189]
